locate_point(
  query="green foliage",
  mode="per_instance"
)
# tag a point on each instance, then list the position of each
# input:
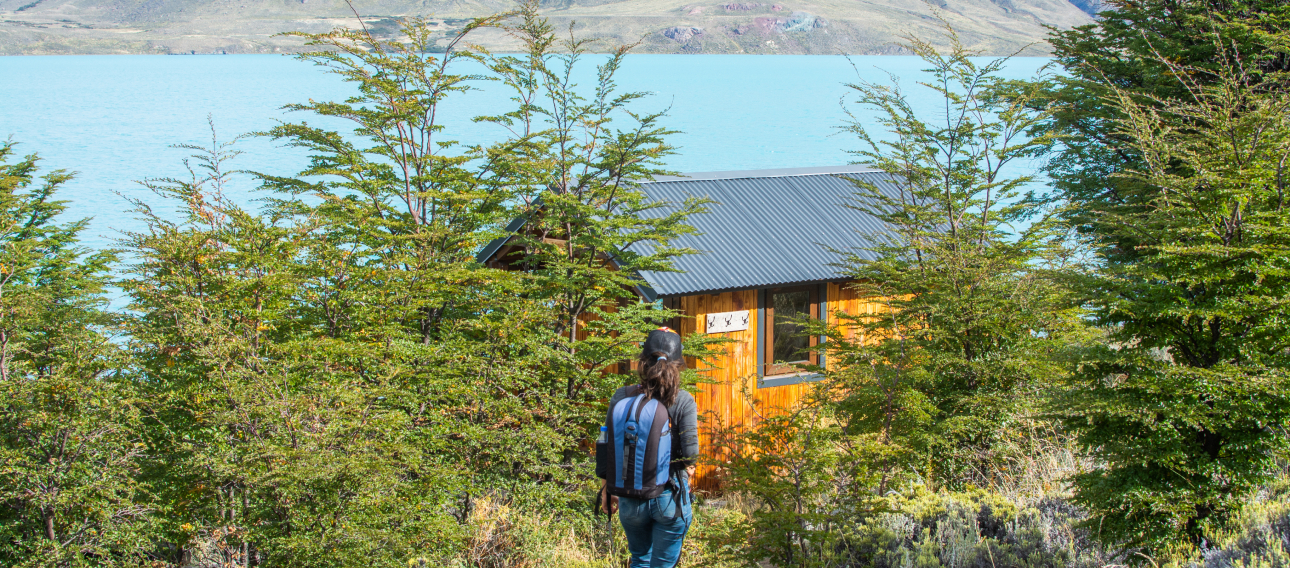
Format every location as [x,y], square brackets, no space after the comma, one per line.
[1133,47]
[802,490]
[1261,537]
[807,479]
[263,415]
[934,386]
[945,369]
[909,527]
[1187,402]
[70,447]
[588,230]
[334,380]
[974,528]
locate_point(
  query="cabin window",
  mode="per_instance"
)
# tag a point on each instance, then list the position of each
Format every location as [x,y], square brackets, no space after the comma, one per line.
[784,343]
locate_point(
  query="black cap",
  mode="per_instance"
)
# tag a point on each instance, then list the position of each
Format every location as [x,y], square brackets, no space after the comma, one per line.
[665,341]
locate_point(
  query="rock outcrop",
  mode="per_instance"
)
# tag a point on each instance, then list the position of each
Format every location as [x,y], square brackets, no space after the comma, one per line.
[682,34]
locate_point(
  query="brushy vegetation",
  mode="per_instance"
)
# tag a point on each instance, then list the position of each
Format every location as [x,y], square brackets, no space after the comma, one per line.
[1005,526]
[1009,525]
[1092,374]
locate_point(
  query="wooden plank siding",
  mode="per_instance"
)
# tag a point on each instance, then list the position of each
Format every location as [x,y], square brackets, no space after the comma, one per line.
[843,298]
[721,401]
[730,396]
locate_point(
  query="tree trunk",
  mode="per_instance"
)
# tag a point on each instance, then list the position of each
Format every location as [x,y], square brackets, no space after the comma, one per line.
[49,527]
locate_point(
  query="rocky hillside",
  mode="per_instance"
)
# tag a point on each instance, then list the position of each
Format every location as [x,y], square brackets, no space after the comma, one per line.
[662,26]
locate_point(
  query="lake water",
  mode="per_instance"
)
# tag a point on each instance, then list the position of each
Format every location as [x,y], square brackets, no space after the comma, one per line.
[112,119]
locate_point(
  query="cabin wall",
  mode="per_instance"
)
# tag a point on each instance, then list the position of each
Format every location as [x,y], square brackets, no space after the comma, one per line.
[731,397]
[844,298]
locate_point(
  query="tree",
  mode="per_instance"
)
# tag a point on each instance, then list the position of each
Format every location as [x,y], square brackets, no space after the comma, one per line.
[1121,92]
[1187,404]
[1124,49]
[336,379]
[550,332]
[589,230]
[402,196]
[936,384]
[947,370]
[275,443]
[70,443]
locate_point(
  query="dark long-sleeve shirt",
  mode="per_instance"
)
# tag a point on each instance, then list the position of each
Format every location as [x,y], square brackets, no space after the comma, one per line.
[684,414]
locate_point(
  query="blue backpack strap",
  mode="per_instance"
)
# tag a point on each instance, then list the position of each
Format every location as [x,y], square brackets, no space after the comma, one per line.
[620,414]
[643,409]
[680,492]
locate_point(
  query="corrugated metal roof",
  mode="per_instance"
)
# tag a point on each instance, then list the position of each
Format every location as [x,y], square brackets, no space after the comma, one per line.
[767,227]
[782,172]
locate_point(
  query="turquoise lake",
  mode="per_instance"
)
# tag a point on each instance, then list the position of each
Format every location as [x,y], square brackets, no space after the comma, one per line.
[112,119]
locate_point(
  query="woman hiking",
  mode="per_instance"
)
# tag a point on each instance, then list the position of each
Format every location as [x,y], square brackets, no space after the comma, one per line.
[652,497]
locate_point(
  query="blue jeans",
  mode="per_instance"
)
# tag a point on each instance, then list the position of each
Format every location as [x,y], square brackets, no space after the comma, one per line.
[653,536]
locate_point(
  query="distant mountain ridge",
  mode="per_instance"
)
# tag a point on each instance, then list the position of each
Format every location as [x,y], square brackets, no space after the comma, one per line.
[661,26]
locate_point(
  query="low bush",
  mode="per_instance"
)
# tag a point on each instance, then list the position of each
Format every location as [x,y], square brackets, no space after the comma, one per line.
[971,529]
[919,528]
[1261,538]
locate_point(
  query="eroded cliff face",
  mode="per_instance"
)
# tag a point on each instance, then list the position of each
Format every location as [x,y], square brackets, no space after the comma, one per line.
[661,26]
[1091,7]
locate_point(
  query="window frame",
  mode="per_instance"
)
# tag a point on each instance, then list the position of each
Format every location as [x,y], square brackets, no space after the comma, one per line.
[769,373]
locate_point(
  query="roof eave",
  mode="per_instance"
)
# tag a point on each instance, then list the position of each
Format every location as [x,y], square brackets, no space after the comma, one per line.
[739,288]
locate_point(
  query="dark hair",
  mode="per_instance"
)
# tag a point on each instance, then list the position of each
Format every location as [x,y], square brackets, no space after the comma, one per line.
[660,377]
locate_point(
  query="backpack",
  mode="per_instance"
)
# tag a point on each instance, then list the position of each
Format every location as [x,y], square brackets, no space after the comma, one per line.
[637,453]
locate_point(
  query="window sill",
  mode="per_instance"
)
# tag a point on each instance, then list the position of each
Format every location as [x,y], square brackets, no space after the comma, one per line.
[790,379]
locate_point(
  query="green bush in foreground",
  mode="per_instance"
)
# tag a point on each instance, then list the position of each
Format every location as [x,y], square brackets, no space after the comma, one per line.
[976,528]
[1261,538]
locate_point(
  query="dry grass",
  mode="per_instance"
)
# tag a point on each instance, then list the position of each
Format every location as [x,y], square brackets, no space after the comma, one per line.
[502,537]
[1036,465]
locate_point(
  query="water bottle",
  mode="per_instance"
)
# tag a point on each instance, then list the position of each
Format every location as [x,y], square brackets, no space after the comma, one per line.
[602,453]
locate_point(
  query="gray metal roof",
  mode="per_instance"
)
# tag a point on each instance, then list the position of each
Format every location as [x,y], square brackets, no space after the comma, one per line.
[782,172]
[767,227]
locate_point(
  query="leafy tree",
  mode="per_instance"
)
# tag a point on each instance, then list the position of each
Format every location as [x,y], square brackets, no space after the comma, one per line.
[336,379]
[1119,94]
[276,445]
[405,199]
[551,331]
[589,230]
[939,381]
[1187,404]
[1126,49]
[947,371]
[70,447]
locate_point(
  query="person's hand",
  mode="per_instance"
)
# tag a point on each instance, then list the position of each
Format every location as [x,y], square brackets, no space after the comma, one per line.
[608,503]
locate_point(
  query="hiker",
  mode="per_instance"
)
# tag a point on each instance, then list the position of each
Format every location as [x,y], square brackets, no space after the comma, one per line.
[647,477]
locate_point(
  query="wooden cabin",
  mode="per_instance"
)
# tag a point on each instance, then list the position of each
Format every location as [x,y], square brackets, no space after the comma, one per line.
[765,259]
